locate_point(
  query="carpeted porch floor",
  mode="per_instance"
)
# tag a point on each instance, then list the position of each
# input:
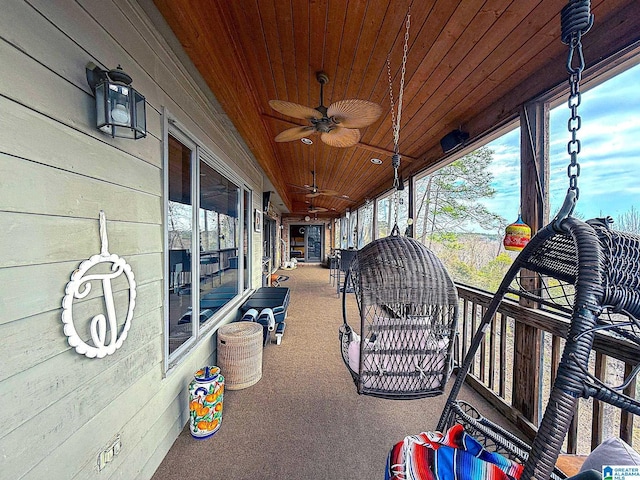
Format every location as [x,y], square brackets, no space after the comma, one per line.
[304,419]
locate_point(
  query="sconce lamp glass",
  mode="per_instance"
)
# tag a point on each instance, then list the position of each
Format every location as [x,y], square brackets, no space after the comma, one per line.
[120,109]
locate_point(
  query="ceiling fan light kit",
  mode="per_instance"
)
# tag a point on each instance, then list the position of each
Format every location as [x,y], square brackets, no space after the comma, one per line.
[338,124]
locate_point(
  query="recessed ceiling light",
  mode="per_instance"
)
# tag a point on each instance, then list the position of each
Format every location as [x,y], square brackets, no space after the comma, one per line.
[376,161]
[306,141]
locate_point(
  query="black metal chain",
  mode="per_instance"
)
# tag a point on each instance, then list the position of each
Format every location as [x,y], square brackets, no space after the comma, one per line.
[576,20]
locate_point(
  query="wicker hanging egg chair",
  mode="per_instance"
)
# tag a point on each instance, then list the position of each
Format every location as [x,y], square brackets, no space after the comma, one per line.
[408,308]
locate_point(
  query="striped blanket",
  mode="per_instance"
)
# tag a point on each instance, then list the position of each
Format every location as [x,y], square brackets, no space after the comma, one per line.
[452,456]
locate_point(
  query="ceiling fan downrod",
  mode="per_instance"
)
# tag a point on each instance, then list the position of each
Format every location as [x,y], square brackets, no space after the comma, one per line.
[323,79]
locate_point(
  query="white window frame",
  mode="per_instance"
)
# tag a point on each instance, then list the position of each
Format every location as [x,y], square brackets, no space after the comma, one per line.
[172,127]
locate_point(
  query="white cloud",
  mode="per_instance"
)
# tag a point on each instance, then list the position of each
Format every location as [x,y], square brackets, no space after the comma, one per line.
[609,179]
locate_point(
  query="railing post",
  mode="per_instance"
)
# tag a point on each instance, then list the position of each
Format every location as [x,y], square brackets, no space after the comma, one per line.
[597,419]
[534,128]
[626,418]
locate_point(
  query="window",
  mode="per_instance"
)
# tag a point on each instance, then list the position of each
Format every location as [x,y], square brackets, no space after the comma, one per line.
[403,209]
[393,209]
[384,217]
[352,232]
[204,271]
[344,232]
[365,225]
[246,236]
[463,208]
[609,154]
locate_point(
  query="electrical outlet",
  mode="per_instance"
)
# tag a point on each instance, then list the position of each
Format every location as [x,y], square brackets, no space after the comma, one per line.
[108,453]
[104,457]
[117,446]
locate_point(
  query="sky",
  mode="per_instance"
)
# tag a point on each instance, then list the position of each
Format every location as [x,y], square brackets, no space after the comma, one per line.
[609,158]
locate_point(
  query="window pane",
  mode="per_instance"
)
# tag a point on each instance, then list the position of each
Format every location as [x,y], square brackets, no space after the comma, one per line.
[403,209]
[609,153]
[246,236]
[365,225]
[384,217]
[352,234]
[393,210]
[344,232]
[458,211]
[219,240]
[180,231]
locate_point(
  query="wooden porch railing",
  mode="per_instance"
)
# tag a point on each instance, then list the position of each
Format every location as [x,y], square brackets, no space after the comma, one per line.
[492,372]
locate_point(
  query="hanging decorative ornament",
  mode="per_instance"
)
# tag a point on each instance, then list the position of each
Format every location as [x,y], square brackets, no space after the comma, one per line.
[107,332]
[517,235]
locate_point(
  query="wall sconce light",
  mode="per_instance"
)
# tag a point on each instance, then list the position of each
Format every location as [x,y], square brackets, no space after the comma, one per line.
[120,109]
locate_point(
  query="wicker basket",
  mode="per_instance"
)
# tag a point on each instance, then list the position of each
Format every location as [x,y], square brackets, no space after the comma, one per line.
[240,354]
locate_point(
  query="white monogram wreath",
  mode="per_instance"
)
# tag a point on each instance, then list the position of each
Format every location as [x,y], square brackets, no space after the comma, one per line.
[79,287]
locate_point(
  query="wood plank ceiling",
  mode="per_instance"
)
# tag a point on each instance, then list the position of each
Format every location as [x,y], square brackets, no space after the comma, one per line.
[470,64]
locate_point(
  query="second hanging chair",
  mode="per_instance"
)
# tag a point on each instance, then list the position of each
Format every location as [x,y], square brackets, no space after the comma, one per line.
[408,309]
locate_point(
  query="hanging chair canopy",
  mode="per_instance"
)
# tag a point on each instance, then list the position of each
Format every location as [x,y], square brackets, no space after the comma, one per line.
[408,307]
[401,271]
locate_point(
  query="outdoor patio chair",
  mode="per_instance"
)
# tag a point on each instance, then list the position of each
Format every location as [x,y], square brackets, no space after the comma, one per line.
[402,345]
[591,272]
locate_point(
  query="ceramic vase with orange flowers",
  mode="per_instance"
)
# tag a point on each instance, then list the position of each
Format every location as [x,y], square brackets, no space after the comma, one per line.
[205,402]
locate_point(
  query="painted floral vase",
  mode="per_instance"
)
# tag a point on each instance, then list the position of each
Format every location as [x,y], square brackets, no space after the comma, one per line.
[205,402]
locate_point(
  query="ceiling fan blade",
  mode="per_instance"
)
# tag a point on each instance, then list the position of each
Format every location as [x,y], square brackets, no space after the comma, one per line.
[294,110]
[313,194]
[301,187]
[295,133]
[318,209]
[341,137]
[329,193]
[354,113]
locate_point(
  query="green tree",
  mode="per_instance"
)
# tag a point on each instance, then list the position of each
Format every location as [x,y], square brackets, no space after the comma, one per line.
[448,199]
[492,273]
[629,221]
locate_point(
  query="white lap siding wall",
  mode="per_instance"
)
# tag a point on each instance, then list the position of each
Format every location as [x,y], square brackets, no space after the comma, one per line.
[60,409]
